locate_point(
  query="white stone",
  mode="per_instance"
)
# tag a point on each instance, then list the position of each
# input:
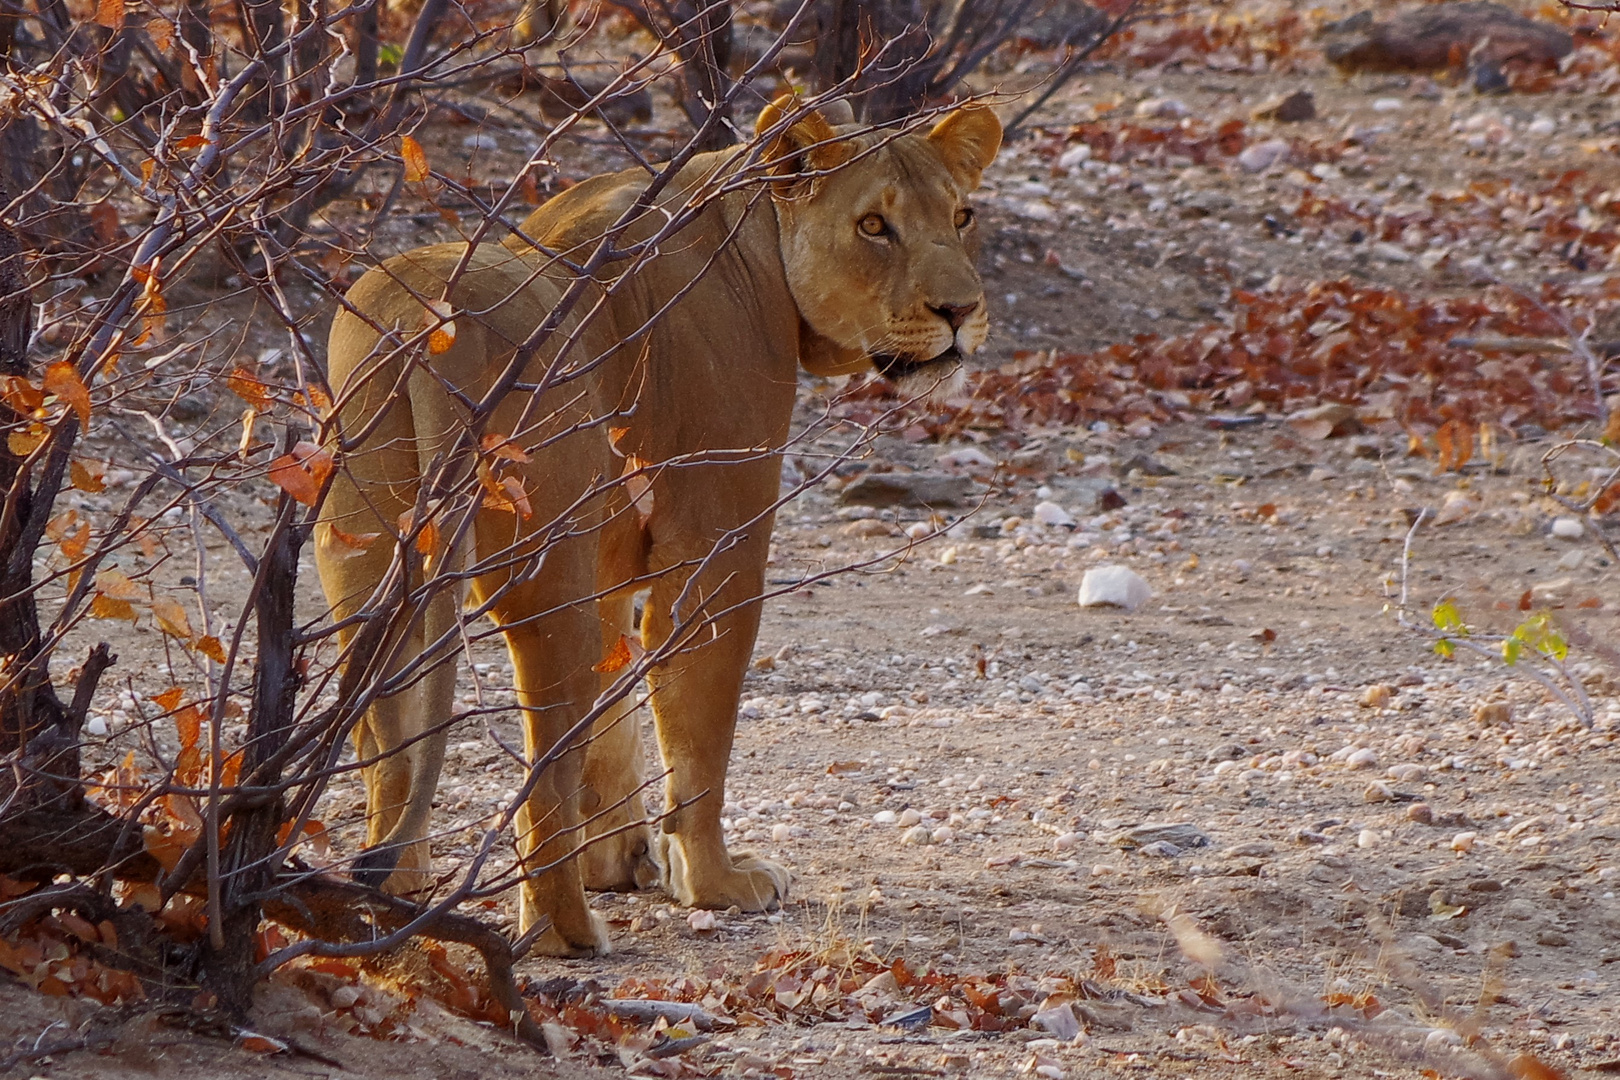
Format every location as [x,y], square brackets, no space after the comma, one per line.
[1165,108]
[1542,125]
[885,817]
[1568,528]
[1074,156]
[1050,513]
[1463,841]
[909,817]
[1263,155]
[1114,586]
[1361,759]
[969,457]
[916,835]
[481,140]
[1388,104]
[781,834]
[95,724]
[702,920]
[1366,839]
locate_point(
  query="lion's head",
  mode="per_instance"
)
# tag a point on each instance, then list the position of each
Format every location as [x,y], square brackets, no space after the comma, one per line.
[878,241]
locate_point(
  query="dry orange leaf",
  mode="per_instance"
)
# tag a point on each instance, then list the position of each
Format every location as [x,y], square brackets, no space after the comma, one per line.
[103,606]
[210,646]
[302,472]
[1530,1067]
[416,162]
[170,699]
[191,142]
[348,544]
[62,379]
[427,541]
[116,584]
[20,394]
[25,442]
[87,476]
[1611,430]
[618,658]
[249,388]
[171,618]
[502,447]
[74,545]
[110,13]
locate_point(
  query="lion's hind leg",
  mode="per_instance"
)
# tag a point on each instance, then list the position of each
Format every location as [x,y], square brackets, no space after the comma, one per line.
[618,855]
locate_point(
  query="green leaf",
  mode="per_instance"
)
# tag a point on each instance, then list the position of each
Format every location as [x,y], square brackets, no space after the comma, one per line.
[390,55]
[1510,651]
[1445,648]
[1448,618]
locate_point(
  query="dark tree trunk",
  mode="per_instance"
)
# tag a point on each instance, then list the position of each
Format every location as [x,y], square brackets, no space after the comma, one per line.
[246,871]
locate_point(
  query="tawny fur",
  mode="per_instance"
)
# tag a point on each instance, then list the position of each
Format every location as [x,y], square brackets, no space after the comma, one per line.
[769,277]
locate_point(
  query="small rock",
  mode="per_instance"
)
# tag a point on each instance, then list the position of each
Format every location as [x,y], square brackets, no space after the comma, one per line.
[1551,593]
[1361,759]
[1457,507]
[917,834]
[1324,421]
[345,997]
[1568,528]
[1050,513]
[1254,849]
[1367,838]
[909,817]
[702,921]
[781,834]
[1160,849]
[906,489]
[885,817]
[1378,792]
[1420,813]
[1377,696]
[1074,156]
[1114,586]
[1493,714]
[1060,1022]
[1407,774]
[1165,108]
[1463,841]
[1261,156]
[1181,835]
[1066,842]
[1554,938]
[1391,253]
[1287,108]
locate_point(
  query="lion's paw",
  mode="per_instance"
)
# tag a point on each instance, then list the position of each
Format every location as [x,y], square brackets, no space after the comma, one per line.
[589,940]
[623,862]
[749,882]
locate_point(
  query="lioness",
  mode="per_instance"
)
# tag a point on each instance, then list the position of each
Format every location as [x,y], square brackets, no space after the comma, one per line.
[859,254]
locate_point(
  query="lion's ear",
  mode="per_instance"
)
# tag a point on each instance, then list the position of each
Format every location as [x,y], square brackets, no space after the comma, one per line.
[968,139]
[808,146]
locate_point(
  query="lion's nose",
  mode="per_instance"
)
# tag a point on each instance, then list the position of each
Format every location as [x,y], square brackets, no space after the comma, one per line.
[954,314]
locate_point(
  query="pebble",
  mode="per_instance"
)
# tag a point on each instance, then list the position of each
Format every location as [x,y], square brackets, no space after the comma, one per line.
[1421,813]
[1050,513]
[1074,156]
[1066,842]
[1463,841]
[1160,849]
[909,817]
[885,817]
[1165,108]
[1378,792]
[1114,586]
[701,920]
[1493,714]
[1377,696]
[1568,528]
[1181,835]
[1361,759]
[1263,155]
[942,835]
[1366,839]
[1407,773]
[781,834]
[917,834]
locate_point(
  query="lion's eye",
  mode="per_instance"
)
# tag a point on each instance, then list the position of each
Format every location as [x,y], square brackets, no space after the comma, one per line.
[874,225]
[964,218]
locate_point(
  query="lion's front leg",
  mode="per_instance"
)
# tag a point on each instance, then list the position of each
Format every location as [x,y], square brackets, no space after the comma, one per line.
[695,697]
